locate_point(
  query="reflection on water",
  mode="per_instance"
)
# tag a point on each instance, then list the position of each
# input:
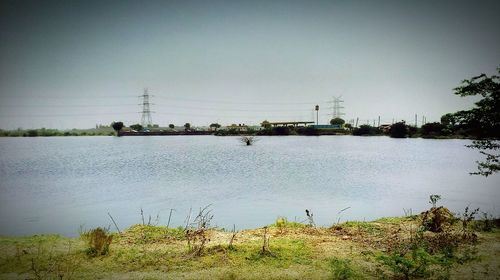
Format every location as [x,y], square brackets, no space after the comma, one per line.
[54,185]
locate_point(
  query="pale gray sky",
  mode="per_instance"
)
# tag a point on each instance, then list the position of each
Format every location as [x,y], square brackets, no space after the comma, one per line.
[67,64]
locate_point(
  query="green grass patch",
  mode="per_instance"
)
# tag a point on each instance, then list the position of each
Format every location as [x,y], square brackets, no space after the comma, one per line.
[343,269]
[396,220]
[283,252]
[364,227]
[282,223]
[140,234]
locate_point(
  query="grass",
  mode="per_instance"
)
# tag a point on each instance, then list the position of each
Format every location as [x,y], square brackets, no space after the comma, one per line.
[351,250]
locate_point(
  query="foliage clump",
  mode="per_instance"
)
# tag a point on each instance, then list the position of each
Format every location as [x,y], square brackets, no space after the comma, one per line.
[366,130]
[342,269]
[437,218]
[248,140]
[337,121]
[399,130]
[98,241]
[282,224]
[117,126]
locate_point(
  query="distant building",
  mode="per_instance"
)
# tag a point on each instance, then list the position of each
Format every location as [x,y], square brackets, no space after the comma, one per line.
[385,127]
[239,127]
[295,124]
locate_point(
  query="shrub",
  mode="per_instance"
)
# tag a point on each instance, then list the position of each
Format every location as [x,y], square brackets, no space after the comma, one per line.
[282,223]
[281,130]
[433,199]
[436,219]
[366,130]
[342,269]
[398,130]
[414,264]
[432,129]
[31,133]
[248,140]
[308,130]
[98,241]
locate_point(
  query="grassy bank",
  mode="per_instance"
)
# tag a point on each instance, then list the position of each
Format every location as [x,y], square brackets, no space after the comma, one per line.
[389,248]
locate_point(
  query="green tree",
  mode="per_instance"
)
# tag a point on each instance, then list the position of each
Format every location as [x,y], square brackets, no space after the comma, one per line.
[31,133]
[483,121]
[117,126]
[449,120]
[171,126]
[398,130]
[215,125]
[136,127]
[432,129]
[337,121]
[366,130]
[266,124]
[187,126]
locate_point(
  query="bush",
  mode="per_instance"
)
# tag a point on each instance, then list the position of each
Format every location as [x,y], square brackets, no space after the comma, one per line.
[436,219]
[136,127]
[31,133]
[282,224]
[366,130]
[432,129]
[281,130]
[398,130]
[342,269]
[337,121]
[308,130]
[98,241]
[414,264]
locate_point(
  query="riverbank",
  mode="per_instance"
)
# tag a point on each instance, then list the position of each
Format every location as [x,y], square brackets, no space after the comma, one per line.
[385,248]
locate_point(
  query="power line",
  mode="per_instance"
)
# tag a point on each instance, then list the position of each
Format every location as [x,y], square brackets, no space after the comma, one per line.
[229,116]
[65,106]
[64,115]
[220,101]
[235,102]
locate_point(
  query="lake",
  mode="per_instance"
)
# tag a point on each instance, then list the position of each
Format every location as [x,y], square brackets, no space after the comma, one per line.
[56,185]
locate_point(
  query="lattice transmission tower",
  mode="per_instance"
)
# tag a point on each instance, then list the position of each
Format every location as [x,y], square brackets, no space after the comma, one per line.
[337,107]
[146,120]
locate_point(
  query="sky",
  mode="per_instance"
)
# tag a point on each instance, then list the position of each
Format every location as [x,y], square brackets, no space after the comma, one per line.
[75,64]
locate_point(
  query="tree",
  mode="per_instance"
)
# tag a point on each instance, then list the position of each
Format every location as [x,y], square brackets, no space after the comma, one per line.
[432,129]
[31,133]
[215,125]
[449,120]
[337,121]
[483,120]
[266,124]
[348,126]
[281,130]
[187,126]
[117,126]
[367,130]
[136,127]
[171,126]
[398,130]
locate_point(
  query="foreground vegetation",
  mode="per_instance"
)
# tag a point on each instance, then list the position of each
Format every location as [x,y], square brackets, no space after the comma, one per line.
[433,245]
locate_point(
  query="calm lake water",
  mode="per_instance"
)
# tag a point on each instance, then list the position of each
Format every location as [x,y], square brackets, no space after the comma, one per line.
[55,185]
